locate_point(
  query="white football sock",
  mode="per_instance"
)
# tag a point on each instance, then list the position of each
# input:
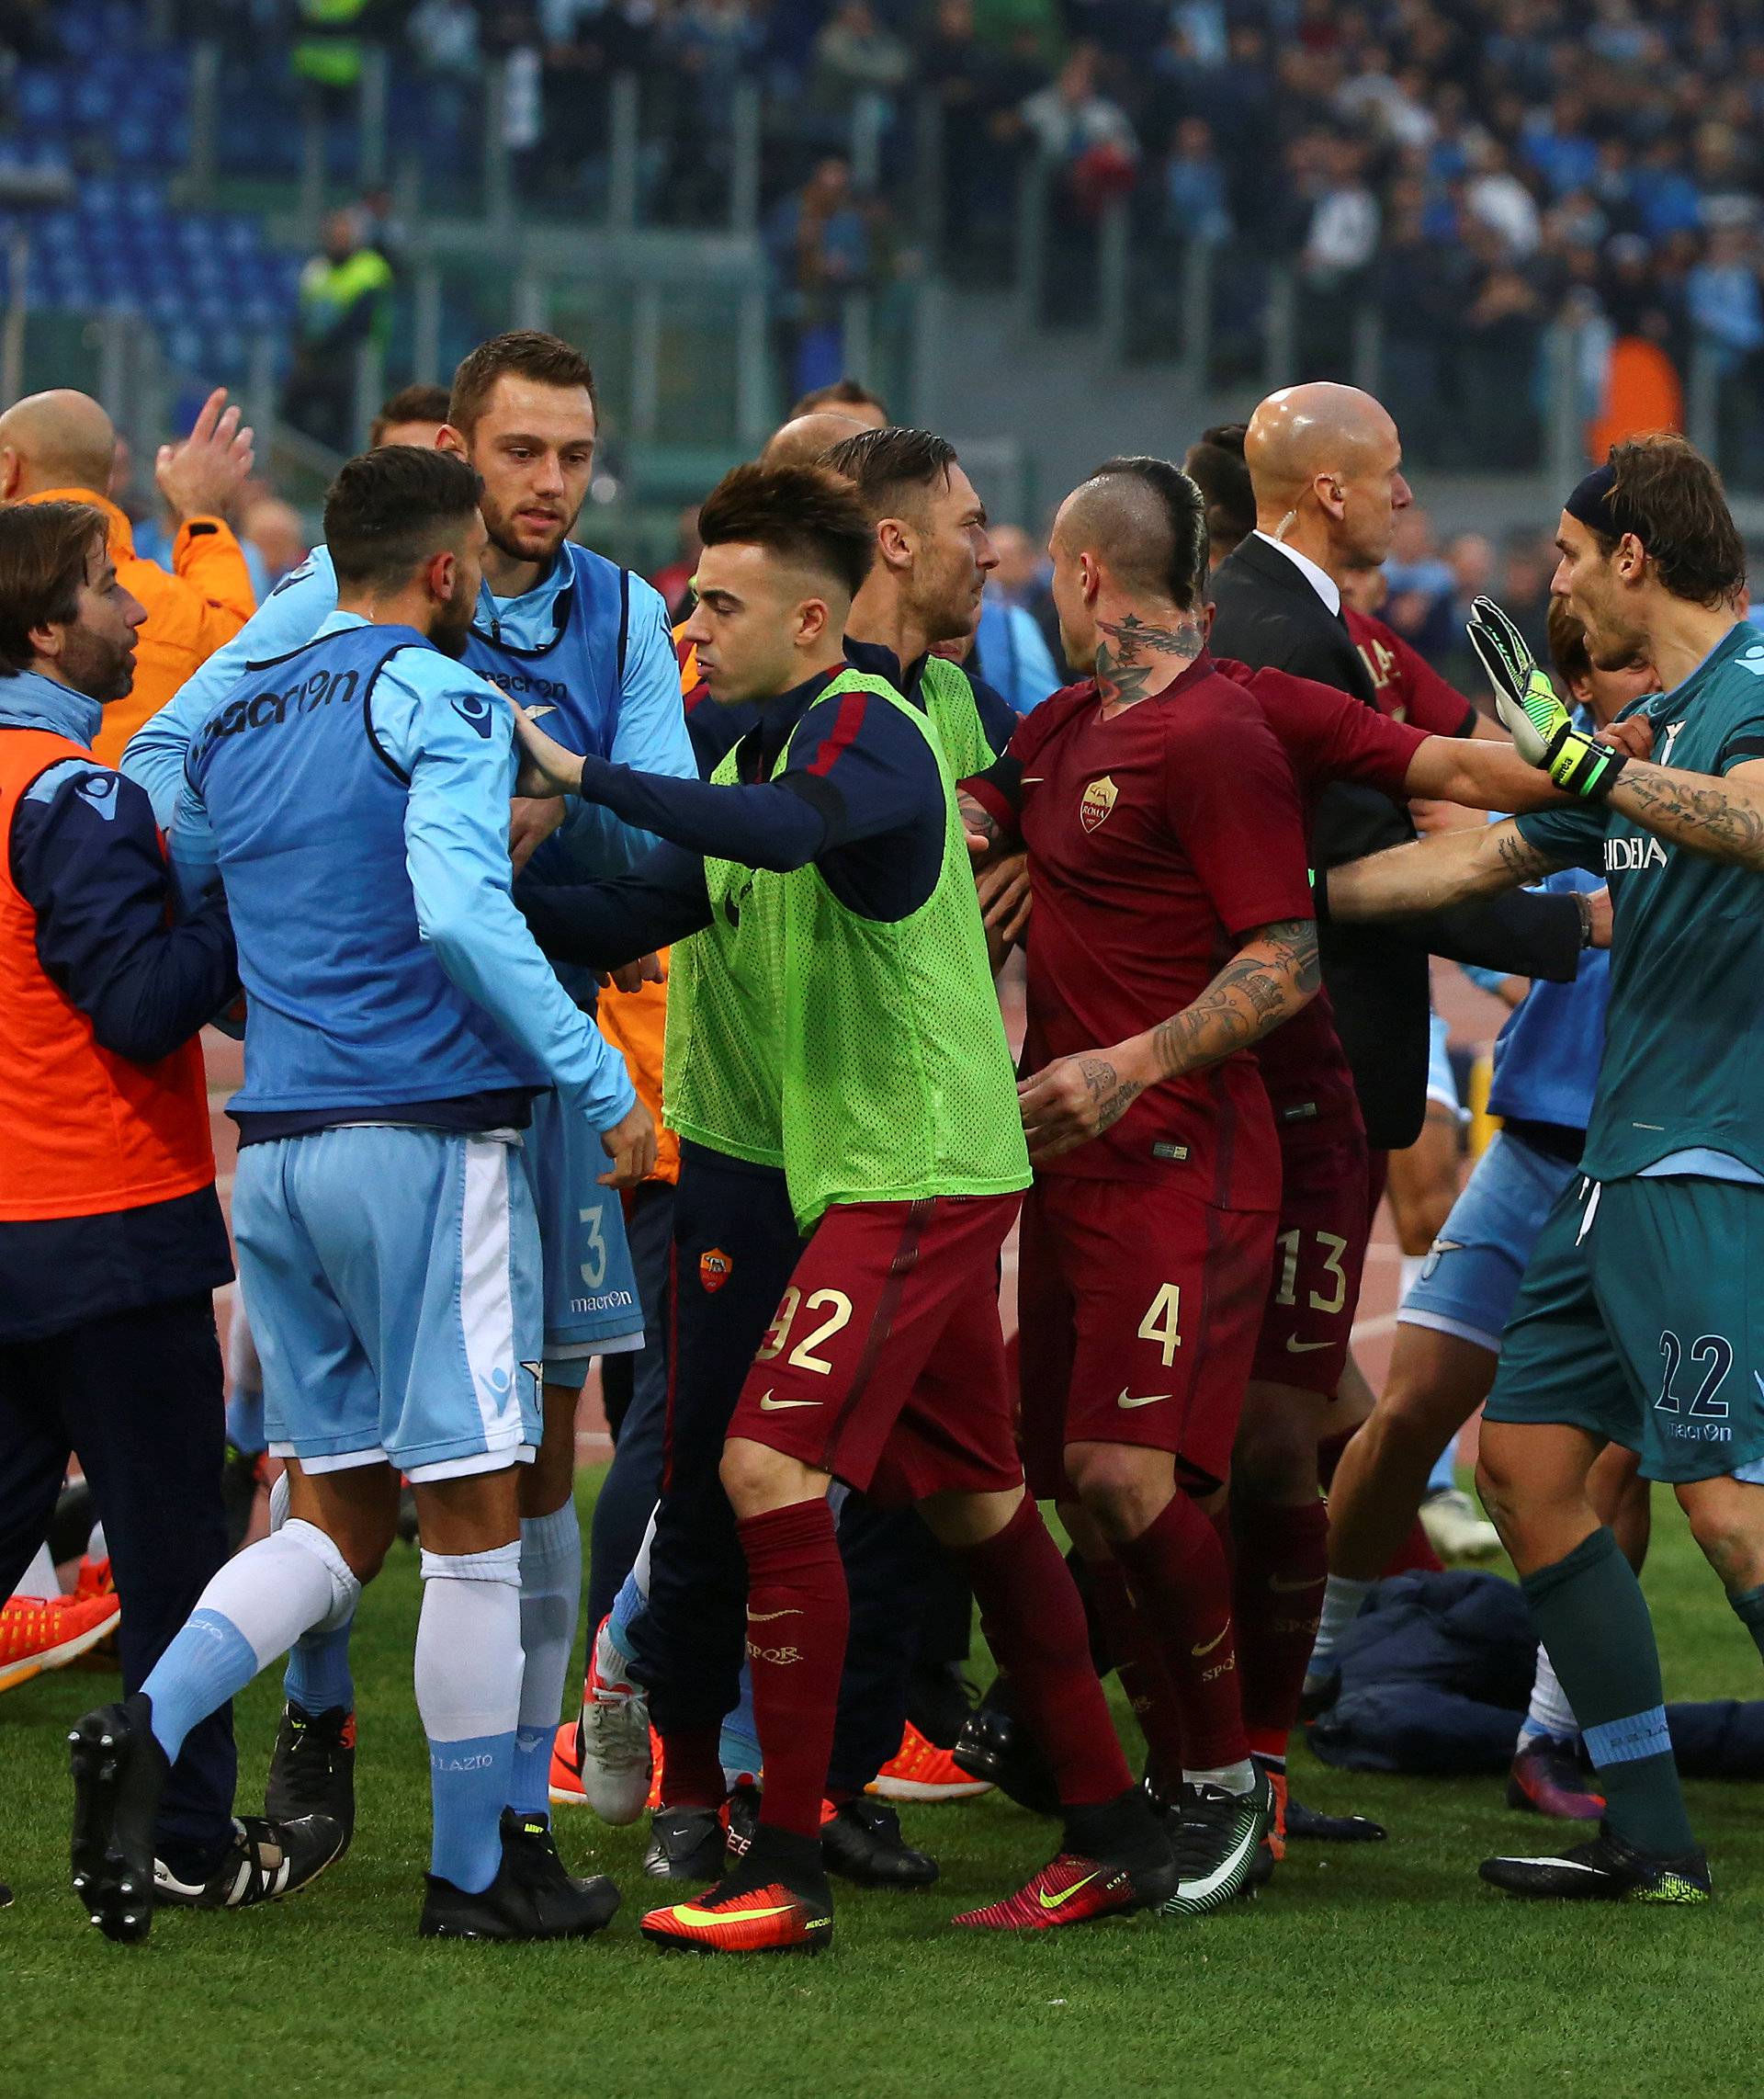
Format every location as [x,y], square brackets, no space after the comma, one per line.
[1342,1602]
[1550,1711]
[550,1604]
[1238,1778]
[468,1660]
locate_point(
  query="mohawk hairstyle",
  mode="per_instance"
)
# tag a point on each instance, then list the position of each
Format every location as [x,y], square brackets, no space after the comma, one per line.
[1147,520]
[806,514]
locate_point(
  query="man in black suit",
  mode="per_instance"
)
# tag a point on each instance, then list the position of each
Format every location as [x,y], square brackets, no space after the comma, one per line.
[1326,463]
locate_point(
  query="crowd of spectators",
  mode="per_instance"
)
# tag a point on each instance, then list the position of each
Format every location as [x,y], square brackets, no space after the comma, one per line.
[1473,169]
[1470,171]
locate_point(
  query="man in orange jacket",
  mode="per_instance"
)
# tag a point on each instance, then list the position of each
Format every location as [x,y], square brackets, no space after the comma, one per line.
[59,447]
[111,1237]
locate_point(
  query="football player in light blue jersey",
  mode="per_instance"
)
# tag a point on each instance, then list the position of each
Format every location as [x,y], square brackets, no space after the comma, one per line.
[400,1023]
[558,627]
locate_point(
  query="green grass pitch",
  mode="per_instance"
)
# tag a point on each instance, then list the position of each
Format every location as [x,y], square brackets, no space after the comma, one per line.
[1387,1969]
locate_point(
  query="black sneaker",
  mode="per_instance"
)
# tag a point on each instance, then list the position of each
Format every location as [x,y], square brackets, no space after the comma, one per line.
[312,1771]
[1217,1843]
[119,1773]
[861,1842]
[266,1861]
[775,1899]
[685,1843]
[530,1847]
[995,1745]
[1604,1870]
[1310,1825]
[525,1900]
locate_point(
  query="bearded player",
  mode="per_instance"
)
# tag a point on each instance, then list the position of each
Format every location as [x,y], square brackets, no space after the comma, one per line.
[558,623]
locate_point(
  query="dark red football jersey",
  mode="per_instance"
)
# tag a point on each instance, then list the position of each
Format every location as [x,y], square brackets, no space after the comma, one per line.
[1408,686]
[1326,735]
[1158,838]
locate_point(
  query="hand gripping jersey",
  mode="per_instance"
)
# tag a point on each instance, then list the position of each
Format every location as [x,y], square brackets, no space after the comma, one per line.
[894,1076]
[348,1006]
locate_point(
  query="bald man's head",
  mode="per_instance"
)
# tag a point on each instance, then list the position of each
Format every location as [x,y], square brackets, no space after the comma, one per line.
[60,440]
[1325,462]
[803,440]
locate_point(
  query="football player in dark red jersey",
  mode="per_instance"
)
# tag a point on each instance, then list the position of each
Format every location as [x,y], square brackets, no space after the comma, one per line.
[1159,826]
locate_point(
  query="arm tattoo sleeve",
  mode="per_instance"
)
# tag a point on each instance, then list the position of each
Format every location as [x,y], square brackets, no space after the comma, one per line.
[1265,984]
[1695,811]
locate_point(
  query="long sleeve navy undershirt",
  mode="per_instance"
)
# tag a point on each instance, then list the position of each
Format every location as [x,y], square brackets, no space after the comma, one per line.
[85,856]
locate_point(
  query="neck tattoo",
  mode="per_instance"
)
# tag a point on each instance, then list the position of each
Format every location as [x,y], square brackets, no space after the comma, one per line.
[1136,658]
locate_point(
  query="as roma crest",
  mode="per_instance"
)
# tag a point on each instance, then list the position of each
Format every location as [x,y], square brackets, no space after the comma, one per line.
[714,1269]
[1099,799]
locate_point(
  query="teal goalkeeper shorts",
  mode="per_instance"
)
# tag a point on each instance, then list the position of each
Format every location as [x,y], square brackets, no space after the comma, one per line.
[1641,1319]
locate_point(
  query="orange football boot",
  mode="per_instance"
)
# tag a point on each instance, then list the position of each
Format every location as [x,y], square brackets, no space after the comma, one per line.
[921,1771]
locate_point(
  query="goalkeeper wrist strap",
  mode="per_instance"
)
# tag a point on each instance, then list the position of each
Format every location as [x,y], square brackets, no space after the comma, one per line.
[1579,766]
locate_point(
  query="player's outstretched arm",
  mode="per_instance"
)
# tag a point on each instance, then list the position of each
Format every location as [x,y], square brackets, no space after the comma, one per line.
[1448,869]
[1479,774]
[1266,981]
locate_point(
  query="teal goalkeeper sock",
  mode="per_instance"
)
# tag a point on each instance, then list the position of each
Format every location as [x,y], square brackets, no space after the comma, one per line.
[1593,1618]
[1749,1607]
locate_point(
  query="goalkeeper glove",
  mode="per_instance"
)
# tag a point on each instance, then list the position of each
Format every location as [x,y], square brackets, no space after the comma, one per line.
[1543,731]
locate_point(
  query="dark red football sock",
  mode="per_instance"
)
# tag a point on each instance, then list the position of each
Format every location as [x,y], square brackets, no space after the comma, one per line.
[1415,1555]
[1176,1568]
[1140,1663]
[692,1770]
[1283,1567]
[798,1615]
[1034,1623]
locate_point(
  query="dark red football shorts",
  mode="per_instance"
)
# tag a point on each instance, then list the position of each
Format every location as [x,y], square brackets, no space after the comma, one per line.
[1140,1307]
[1319,1252]
[886,1353]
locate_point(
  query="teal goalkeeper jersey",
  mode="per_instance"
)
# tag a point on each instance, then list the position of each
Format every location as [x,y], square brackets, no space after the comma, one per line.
[1684,1042]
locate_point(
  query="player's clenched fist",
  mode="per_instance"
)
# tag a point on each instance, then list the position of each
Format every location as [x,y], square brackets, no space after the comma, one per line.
[630,1145]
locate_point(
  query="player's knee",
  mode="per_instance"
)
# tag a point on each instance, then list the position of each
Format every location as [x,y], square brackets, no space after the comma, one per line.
[756,1478]
[1728,1527]
[1496,1484]
[1274,1457]
[1124,1488]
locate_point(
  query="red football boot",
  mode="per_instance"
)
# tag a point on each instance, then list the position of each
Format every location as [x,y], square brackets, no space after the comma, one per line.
[776,1901]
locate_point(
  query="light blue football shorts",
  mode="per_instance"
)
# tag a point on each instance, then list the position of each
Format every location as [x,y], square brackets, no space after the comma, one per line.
[591,1301]
[1473,1271]
[392,1280]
